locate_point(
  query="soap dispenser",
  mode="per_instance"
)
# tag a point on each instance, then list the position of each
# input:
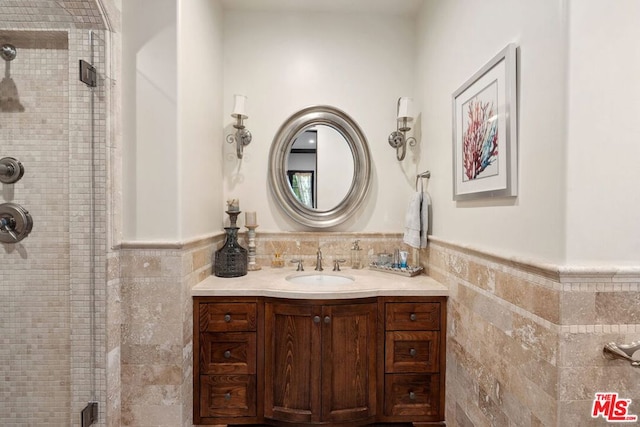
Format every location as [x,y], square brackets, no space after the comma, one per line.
[356,255]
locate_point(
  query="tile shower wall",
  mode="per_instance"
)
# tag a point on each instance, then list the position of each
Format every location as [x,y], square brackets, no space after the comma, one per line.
[35,273]
[46,284]
[524,344]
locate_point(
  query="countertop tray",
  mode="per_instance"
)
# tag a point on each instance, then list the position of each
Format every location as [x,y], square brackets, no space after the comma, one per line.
[406,272]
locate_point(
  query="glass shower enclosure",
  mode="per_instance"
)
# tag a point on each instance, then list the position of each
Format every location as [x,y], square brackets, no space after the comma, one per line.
[52,279]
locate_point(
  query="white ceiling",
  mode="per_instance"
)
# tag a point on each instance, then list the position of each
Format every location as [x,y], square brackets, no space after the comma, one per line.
[386,7]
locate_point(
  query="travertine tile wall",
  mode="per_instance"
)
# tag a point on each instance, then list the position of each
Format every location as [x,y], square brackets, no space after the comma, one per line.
[157,329]
[597,307]
[304,245]
[524,344]
[47,13]
[34,290]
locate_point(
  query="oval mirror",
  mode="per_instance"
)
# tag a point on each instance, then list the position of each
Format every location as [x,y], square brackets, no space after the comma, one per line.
[319,166]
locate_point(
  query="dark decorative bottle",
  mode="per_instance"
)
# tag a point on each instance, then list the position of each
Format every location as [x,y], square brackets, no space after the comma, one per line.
[231,259]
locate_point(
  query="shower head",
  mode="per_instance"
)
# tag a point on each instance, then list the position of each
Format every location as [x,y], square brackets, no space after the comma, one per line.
[8,52]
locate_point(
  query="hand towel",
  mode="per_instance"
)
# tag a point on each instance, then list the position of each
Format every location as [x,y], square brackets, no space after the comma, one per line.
[417,220]
[424,219]
[412,221]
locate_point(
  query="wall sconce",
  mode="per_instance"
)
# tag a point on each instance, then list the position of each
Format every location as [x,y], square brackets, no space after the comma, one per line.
[398,138]
[242,137]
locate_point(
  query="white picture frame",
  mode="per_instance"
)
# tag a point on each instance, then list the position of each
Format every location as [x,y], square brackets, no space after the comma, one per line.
[485,145]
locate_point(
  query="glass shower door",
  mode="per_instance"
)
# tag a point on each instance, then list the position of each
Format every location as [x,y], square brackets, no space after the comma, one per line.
[49,340]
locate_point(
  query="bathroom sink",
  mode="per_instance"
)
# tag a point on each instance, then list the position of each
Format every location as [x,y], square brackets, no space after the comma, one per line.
[319,279]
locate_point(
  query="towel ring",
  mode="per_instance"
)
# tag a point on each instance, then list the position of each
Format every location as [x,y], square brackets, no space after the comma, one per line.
[425,174]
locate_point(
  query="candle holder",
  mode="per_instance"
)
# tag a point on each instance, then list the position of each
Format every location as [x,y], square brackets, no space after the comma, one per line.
[251,237]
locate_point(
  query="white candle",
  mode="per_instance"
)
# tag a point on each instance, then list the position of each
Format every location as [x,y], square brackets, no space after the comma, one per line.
[405,107]
[250,218]
[239,105]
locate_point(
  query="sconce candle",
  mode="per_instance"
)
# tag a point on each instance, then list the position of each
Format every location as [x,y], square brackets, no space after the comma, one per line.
[250,219]
[241,137]
[405,107]
[398,138]
[239,105]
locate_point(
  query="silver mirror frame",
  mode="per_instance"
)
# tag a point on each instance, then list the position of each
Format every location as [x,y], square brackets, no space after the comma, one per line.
[278,154]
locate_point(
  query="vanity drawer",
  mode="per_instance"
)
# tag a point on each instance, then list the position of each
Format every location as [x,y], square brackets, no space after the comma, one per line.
[228,353]
[412,351]
[410,316]
[227,396]
[412,395]
[222,317]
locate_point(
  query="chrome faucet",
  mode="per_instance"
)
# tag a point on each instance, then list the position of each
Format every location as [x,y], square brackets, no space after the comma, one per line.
[300,266]
[319,260]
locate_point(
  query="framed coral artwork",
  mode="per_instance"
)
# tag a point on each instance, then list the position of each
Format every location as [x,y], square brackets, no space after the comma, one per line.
[485,146]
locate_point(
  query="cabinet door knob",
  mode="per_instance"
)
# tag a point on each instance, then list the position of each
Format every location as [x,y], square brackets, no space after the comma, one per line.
[227,396]
[413,352]
[413,317]
[227,318]
[316,319]
[412,395]
[327,319]
[227,354]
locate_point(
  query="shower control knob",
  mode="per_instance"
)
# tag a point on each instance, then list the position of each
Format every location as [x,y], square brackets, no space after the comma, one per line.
[15,223]
[11,170]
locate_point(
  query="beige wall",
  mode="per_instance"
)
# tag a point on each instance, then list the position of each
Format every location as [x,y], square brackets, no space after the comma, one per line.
[456,39]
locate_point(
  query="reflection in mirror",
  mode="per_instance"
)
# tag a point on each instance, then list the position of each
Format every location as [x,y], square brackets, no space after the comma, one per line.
[315,157]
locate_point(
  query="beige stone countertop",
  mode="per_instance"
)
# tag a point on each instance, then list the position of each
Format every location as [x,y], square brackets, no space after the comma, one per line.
[272,282]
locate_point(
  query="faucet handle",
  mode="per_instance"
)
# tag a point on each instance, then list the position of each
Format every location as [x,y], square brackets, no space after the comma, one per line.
[336,264]
[300,267]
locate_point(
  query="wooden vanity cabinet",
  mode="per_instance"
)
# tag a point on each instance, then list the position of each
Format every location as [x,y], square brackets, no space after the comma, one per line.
[411,379]
[320,361]
[227,363]
[289,362]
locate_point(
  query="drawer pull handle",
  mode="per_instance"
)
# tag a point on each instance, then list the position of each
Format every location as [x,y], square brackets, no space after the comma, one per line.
[227,318]
[413,352]
[227,354]
[412,395]
[413,317]
[227,396]
[316,319]
[327,320]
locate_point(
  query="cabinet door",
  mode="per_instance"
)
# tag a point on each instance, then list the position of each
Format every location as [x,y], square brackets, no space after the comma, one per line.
[349,362]
[292,362]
